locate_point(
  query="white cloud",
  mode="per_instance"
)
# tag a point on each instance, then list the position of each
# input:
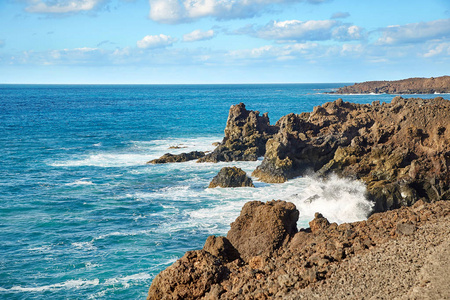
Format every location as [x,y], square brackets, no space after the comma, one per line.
[62,6]
[313,30]
[198,35]
[415,32]
[440,49]
[296,30]
[156,41]
[279,53]
[340,15]
[179,11]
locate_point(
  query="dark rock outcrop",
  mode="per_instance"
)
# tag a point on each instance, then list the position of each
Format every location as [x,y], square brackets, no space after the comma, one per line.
[263,227]
[292,264]
[231,177]
[406,86]
[400,150]
[171,158]
[246,134]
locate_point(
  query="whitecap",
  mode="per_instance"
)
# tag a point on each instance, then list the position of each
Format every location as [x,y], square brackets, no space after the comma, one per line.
[81,181]
[125,280]
[70,284]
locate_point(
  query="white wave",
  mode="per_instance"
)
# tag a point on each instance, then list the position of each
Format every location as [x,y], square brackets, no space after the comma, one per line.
[185,144]
[125,281]
[125,233]
[340,200]
[84,246]
[105,160]
[70,284]
[82,181]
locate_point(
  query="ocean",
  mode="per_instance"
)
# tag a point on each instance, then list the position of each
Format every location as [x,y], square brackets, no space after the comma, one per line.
[82,216]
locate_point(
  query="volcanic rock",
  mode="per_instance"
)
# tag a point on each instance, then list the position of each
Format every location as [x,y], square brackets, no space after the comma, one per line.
[262,228]
[171,158]
[406,86]
[283,264]
[246,134]
[401,150]
[231,177]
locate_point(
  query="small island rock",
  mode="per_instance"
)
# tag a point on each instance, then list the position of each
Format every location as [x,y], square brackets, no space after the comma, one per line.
[231,177]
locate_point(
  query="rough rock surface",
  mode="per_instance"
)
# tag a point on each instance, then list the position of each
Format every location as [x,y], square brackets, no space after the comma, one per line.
[262,228]
[401,150]
[406,86]
[246,134]
[171,158]
[231,177]
[370,259]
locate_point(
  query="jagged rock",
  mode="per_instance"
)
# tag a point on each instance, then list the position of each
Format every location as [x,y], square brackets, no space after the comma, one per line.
[401,150]
[231,177]
[296,260]
[406,86]
[171,158]
[246,134]
[191,277]
[221,247]
[262,228]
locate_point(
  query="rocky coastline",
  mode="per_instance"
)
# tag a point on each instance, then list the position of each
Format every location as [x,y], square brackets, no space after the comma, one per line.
[400,150]
[433,85]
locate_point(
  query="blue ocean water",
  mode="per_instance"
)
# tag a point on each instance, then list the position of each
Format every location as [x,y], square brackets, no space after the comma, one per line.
[81,214]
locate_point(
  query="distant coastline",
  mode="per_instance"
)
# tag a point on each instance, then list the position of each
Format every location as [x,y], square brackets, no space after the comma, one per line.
[433,85]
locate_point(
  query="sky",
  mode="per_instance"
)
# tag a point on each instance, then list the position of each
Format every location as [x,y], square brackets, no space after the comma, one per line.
[222,41]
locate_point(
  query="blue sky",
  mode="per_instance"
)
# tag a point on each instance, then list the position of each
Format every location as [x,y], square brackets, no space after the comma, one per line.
[222,41]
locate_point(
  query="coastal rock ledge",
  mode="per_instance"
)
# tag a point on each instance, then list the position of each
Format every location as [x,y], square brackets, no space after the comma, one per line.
[231,177]
[402,253]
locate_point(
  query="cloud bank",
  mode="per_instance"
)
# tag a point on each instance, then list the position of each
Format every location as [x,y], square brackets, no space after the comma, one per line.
[62,6]
[198,35]
[180,11]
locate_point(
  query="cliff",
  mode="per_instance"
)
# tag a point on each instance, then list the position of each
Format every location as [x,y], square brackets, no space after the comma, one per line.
[406,86]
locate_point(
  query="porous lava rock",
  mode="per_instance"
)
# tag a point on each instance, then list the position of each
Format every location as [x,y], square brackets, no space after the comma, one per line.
[171,158]
[246,134]
[277,267]
[400,150]
[405,86]
[231,177]
[262,228]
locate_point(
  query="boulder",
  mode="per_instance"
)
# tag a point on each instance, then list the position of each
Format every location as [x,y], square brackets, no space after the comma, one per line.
[231,177]
[221,247]
[246,134]
[191,277]
[171,158]
[262,228]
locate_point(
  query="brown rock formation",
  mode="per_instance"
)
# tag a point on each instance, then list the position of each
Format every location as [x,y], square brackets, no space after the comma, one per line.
[406,86]
[263,227]
[294,269]
[231,177]
[400,150]
[171,158]
[245,138]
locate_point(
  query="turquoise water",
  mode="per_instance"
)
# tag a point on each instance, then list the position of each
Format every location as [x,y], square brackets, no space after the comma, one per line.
[81,214]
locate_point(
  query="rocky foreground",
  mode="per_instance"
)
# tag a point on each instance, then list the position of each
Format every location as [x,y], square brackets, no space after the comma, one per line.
[406,86]
[400,254]
[400,150]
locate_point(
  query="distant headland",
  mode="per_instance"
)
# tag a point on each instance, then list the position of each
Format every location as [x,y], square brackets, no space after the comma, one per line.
[433,85]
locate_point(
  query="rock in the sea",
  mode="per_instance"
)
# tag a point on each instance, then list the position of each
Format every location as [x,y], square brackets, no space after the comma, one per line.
[171,158]
[262,228]
[400,150]
[231,177]
[246,134]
